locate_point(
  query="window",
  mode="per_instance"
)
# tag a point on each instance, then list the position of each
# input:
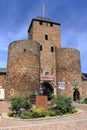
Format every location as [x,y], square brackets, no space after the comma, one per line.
[40,22]
[46,24]
[51,24]
[24,50]
[46,37]
[40,47]
[4,74]
[52,49]
[46,73]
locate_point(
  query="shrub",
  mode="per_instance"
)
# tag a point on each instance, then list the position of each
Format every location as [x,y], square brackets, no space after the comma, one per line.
[18,103]
[40,112]
[73,111]
[63,104]
[85,100]
[21,107]
[10,114]
[50,96]
[15,116]
[27,103]
[26,115]
[51,113]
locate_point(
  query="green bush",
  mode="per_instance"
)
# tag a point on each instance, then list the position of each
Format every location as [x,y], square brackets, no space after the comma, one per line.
[21,107]
[27,103]
[63,104]
[26,115]
[85,100]
[73,111]
[10,114]
[40,112]
[18,103]
[51,113]
[16,116]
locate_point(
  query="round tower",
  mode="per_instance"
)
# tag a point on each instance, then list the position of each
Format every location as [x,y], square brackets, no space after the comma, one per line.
[68,72]
[23,68]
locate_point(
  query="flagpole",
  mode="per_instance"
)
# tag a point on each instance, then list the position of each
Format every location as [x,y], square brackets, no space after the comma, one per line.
[43,8]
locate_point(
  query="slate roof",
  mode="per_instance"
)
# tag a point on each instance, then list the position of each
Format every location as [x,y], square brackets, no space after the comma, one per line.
[3,70]
[38,18]
[84,76]
[44,19]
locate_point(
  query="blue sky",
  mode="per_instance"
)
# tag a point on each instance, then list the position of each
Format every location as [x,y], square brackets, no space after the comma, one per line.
[16,15]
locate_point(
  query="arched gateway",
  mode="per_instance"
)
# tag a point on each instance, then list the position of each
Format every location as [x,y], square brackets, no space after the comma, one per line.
[47,89]
[76,95]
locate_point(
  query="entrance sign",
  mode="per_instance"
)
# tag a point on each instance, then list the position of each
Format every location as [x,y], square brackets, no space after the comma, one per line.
[61,85]
[47,78]
[2,93]
[42,102]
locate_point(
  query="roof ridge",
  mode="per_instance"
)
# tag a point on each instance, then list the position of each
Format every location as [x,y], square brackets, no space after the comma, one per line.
[44,18]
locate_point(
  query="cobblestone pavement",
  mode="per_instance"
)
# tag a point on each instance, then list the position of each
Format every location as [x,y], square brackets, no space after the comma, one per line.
[71,122]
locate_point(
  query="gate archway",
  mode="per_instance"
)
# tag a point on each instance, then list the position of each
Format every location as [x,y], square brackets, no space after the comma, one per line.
[76,95]
[47,89]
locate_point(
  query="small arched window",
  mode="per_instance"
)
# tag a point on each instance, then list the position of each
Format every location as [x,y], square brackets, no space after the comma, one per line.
[51,24]
[40,47]
[52,49]
[46,37]
[46,73]
[40,22]
[24,50]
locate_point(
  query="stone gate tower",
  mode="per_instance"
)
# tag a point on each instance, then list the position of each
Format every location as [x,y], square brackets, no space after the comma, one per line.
[40,64]
[47,33]
[59,67]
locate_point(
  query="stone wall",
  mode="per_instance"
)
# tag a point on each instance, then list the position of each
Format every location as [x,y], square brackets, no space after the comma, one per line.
[84,89]
[38,33]
[1,80]
[68,70]
[23,68]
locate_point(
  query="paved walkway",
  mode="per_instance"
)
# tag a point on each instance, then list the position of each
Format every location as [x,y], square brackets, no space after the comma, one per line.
[70,122]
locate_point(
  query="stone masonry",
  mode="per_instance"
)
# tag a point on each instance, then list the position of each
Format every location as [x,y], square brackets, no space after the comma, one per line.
[68,70]
[37,32]
[40,64]
[23,68]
